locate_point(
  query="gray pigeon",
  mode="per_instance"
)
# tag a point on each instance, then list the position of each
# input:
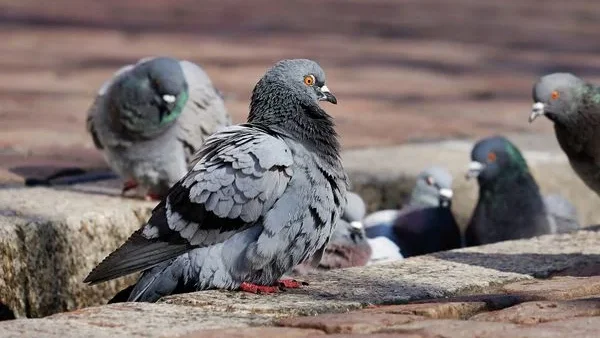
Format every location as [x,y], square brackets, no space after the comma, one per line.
[348,245]
[426,224]
[574,107]
[562,214]
[510,205]
[262,197]
[151,117]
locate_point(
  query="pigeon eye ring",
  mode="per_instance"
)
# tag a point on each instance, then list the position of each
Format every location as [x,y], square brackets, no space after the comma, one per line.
[309,80]
[555,95]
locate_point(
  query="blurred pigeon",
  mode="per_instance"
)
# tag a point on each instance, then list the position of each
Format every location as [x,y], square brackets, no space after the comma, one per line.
[510,205]
[426,224]
[562,214]
[151,117]
[348,245]
[574,107]
[262,197]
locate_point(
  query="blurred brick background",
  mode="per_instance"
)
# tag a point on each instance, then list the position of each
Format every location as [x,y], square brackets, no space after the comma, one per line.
[402,70]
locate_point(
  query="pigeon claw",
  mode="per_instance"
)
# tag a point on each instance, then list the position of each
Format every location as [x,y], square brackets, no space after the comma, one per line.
[152,197]
[291,284]
[253,288]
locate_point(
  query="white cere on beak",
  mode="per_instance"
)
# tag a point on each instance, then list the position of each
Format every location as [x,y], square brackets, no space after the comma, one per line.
[356,225]
[445,192]
[536,110]
[324,89]
[169,98]
[474,169]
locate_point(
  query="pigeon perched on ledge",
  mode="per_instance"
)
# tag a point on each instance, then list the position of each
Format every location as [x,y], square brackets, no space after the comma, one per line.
[426,224]
[574,107]
[262,197]
[510,205]
[151,117]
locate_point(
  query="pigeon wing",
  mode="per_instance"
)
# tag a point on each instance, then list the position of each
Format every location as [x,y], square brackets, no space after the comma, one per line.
[240,173]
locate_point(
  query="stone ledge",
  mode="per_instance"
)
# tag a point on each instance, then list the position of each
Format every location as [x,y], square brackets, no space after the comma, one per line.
[497,269]
[50,232]
[49,244]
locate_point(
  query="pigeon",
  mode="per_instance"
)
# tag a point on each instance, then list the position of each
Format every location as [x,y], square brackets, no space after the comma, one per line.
[574,107]
[510,205]
[426,224]
[562,214]
[348,245]
[150,118]
[261,198]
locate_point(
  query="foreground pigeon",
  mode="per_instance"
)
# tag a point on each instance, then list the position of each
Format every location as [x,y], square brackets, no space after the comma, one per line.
[263,197]
[348,245]
[510,205]
[574,107]
[426,224]
[151,117]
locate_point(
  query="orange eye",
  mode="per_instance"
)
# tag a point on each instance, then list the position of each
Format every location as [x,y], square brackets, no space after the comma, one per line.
[309,80]
[491,157]
[555,95]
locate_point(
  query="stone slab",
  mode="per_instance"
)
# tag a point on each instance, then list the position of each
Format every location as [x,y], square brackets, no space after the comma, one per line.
[50,239]
[543,311]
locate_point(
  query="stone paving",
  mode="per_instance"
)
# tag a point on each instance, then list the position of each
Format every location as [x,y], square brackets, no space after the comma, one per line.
[545,286]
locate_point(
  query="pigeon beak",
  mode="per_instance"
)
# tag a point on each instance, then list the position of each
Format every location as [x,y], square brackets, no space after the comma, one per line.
[446,193]
[327,96]
[536,110]
[356,225]
[475,168]
[169,98]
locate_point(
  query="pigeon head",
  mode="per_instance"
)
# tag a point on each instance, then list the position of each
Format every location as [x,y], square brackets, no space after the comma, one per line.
[289,88]
[556,96]
[433,188]
[149,97]
[494,157]
[355,208]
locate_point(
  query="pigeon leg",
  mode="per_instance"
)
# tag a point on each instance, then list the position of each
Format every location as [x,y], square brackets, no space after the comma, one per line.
[128,185]
[290,284]
[153,197]
[253,288]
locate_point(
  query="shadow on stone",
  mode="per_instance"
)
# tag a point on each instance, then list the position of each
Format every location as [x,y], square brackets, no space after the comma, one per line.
[6,313]
[535,265]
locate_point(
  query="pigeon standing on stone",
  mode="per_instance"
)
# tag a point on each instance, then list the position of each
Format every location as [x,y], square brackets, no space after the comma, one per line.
[262,197]
[510,205]
[426,224]
[574,107]
[151,117]
[348,245]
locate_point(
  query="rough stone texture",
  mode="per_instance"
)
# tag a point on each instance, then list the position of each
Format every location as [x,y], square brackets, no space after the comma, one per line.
[353,322]
[51,239]
[452,328]
[558,288]
[445,310]
[126,320]
[262,332]
[545,311]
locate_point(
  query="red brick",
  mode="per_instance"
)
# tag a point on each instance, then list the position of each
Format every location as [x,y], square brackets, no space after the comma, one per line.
[447,310]
[252,332]
[557,288]
[352,322]
[543,311]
